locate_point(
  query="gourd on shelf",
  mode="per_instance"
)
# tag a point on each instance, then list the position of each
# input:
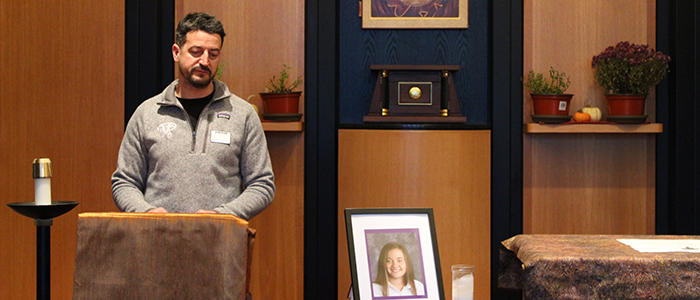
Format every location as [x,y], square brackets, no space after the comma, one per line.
[594,112]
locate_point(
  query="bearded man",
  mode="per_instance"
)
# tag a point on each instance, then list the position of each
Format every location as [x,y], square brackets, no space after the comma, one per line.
[195,148]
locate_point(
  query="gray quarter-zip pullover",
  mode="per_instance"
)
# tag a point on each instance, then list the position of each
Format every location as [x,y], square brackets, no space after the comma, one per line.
[223,166]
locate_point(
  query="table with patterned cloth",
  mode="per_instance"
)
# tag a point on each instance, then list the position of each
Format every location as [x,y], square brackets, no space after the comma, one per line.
[596,267]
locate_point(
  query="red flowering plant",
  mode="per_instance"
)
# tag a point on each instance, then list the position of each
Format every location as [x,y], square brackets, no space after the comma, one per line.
[629,68]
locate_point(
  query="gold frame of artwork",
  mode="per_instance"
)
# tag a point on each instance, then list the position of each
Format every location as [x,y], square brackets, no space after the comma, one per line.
[413,22]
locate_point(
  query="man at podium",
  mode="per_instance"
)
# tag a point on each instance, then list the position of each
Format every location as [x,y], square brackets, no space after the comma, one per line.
[195,148]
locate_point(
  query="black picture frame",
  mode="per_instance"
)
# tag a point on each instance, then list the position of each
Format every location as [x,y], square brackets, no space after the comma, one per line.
[369,231]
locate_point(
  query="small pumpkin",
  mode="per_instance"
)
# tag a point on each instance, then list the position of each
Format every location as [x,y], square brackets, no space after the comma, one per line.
[581,116]
[592,111]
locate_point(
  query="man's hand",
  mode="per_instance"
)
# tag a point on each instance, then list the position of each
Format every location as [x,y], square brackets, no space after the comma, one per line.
[158,210]
[202,211]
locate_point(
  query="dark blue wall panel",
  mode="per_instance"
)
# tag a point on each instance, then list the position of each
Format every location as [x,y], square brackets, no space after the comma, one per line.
[359,48]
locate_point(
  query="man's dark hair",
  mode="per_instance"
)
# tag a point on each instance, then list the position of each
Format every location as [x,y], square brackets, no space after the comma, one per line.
[198,22]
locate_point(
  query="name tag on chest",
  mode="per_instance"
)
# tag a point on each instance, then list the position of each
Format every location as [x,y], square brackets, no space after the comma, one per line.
[220,137]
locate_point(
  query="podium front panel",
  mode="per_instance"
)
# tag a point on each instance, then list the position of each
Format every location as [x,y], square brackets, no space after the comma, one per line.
[161,256]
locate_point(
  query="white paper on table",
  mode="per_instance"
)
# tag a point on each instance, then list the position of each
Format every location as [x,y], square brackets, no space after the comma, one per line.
[661,245]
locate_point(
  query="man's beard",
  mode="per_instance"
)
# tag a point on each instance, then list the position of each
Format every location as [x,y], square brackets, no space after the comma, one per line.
[196,82]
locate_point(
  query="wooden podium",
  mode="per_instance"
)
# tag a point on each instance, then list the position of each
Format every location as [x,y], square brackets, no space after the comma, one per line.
[414,94]
[162,256]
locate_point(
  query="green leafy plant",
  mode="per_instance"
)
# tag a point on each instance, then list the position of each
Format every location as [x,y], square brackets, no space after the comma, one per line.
[219,70]
[555,84]
[283,84]
[629,68]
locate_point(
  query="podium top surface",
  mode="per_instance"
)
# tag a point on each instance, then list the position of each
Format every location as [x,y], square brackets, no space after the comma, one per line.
[163,216]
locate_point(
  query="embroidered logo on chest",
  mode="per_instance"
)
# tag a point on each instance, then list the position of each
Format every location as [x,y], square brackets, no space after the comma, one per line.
[167,128]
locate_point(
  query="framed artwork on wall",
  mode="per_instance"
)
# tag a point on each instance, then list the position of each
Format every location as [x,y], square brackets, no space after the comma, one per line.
[414,14]
[393,254]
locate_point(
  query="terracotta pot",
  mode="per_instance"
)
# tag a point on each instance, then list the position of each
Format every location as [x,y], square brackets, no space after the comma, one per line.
[626,105]
[551,104]
[281,103]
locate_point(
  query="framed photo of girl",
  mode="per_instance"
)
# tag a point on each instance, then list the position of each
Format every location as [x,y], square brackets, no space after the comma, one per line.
[393,254]
[412,14]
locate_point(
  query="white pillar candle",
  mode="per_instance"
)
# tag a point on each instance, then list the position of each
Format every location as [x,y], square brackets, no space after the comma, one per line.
[42,191]
[42,181]
[463,288]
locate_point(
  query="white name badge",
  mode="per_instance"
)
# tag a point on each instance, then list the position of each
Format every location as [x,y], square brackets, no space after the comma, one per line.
[220,137]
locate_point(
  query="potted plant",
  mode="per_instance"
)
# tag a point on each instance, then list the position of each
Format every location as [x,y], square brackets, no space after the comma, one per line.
[547,93]
[279,96]
[627,72]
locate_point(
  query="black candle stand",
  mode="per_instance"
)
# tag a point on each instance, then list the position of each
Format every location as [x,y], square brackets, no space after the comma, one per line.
[43,216]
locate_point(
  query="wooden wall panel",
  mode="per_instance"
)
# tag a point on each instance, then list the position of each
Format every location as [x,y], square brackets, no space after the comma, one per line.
[567,34]
[586,183]
[278,255]
[61,97]
[591,183]
[448,171]
[260,37]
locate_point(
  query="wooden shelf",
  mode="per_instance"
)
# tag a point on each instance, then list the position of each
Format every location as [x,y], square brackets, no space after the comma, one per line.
[282,126]
[593,128]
